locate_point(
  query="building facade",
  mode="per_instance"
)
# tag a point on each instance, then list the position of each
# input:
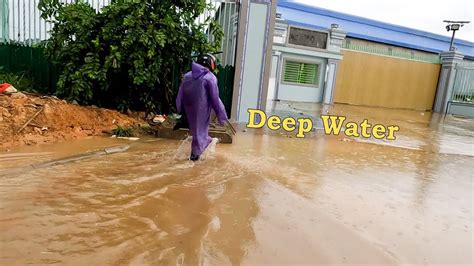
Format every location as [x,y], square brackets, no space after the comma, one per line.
[324,56]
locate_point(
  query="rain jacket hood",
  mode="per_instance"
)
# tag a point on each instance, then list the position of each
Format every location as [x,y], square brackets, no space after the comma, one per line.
[198,70]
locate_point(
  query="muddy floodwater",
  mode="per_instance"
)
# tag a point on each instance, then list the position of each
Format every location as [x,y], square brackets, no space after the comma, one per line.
[269,198]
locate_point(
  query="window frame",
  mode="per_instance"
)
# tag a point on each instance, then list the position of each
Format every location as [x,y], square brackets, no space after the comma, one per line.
[300,61]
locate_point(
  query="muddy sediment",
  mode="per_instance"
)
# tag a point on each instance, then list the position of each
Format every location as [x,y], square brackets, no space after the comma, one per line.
[264,200]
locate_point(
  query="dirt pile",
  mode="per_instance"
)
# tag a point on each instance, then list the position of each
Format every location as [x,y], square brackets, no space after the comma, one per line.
[27,120]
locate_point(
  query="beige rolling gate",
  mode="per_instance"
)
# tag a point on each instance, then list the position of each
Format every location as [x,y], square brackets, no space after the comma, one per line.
[383,81]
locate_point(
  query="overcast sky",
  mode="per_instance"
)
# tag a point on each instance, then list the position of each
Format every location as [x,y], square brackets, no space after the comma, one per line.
[419,14]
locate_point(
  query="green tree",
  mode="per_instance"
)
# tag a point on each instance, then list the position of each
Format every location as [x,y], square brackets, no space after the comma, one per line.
[126,55]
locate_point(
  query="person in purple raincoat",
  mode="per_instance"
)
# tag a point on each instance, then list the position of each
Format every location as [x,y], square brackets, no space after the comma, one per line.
[198,94]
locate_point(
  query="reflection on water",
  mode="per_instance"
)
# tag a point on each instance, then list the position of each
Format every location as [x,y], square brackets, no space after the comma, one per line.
[267,198]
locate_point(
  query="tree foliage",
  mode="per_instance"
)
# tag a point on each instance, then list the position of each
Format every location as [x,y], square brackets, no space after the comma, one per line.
[127,55]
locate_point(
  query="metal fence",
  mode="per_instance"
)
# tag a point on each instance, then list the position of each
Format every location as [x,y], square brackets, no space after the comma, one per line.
[392,53]
[30,62]
[226,14]
[463,87]
[21,22]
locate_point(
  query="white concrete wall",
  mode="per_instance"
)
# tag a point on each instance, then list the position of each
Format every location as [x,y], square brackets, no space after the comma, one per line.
[462,110]
[254,54]
[281,31]
[324,91]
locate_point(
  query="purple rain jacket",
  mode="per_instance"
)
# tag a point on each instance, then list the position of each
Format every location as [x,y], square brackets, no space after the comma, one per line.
[197,94]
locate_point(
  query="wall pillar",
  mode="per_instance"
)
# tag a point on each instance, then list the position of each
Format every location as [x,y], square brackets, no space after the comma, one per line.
[329,89]
[337,37]
[253,58]
[446,79]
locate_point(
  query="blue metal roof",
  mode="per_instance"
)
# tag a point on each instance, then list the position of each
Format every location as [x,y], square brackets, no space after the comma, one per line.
[368,29]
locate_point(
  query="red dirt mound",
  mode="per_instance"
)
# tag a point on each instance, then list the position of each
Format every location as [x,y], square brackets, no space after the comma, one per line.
[27,120]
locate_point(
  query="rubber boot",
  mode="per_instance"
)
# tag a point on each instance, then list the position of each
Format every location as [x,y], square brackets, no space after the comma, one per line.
[194,157]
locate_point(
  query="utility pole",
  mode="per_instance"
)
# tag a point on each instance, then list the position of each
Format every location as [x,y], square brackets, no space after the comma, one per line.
[454,26]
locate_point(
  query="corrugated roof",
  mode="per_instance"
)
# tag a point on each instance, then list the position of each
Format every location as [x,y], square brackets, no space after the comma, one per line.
[368,29]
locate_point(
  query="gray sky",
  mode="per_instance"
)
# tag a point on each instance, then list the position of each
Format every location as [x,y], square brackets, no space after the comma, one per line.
[419,14]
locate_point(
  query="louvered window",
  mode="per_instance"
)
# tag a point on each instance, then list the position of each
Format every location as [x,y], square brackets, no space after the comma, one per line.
[300,73]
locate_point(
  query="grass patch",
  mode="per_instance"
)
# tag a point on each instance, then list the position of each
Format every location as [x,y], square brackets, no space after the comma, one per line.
[125,132]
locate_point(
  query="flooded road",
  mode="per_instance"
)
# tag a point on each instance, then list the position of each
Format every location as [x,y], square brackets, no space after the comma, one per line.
[268,198]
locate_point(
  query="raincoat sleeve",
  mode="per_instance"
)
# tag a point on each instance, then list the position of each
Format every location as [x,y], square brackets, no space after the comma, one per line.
[179,99]
[216,102]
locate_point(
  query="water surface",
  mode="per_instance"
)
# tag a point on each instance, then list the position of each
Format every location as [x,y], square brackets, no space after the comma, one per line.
[268,198]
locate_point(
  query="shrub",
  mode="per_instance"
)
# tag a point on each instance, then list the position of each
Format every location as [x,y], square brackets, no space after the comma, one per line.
[20,81]
[127,55]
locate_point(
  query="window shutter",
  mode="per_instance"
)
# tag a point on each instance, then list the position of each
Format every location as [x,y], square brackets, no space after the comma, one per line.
[301,73]
[292,70]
